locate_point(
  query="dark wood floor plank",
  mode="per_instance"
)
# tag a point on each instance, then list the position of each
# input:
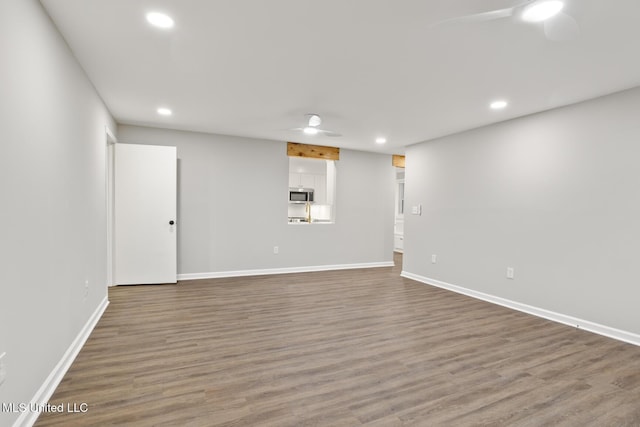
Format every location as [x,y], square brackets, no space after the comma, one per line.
[341,348]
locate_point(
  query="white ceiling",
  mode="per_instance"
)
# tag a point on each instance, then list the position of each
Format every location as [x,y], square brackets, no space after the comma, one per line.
[369,67]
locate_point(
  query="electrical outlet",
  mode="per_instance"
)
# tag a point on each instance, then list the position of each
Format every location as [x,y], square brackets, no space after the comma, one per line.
[276,250]
[510,272]
[86,288]
[3,370]
[434,258]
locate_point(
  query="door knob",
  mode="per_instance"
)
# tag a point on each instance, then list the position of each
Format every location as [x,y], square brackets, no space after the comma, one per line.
[171,222]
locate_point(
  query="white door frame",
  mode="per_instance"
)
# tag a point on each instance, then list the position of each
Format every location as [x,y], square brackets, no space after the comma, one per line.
[109,184]
[398,218]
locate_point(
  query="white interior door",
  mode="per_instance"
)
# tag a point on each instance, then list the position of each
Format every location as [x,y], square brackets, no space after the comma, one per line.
[145,214]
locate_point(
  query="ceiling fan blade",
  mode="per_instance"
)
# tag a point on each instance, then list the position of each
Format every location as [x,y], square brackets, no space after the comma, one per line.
[490,15]
[312,127]
[478,17]
[330,133]
[561,27]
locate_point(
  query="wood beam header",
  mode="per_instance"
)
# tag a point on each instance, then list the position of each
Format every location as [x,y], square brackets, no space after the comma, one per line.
[295,149]
[397,161]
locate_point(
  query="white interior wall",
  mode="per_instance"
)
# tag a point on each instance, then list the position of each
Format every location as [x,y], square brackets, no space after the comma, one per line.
[553,195]
[233,200]
[52,186]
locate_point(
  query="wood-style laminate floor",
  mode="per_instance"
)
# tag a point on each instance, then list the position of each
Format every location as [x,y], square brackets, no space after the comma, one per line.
[342,348]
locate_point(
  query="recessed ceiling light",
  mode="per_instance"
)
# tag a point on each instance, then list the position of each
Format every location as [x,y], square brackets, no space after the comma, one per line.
[159,20]
[381,140]
[164,111]
[310,130]
[542,10]
[498,105]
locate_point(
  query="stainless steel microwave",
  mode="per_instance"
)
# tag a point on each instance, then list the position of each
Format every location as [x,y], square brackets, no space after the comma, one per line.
[300,195]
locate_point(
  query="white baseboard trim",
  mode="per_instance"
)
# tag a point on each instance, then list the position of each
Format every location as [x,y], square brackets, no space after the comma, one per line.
[587,325]
[42,396]
[287,270]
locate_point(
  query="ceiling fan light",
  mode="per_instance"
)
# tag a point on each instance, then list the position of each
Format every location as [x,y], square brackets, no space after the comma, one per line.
[310,130]
[542,10]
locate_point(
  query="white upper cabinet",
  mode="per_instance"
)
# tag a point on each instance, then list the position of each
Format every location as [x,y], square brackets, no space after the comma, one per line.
[308,180]
[316,181]
[320,187]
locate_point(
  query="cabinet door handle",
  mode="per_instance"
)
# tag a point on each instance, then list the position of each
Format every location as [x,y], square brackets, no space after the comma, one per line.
[171,222]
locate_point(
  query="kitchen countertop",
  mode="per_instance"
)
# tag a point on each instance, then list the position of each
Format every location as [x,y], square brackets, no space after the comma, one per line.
[298,221]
